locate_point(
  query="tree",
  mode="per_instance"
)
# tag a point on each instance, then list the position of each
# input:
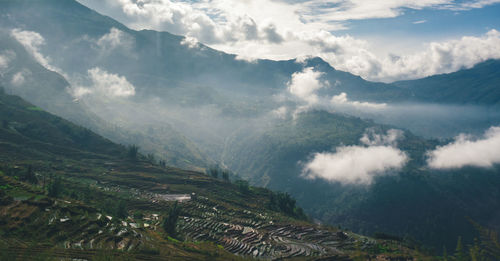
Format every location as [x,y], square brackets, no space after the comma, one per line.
[445,254]
[459,251]
[243,186]
[151,158]
[30,176]
[121,209]
[55,188]
[225,175]
[133,152]
[214,172]
[170,221]
[285,203]
[162,163]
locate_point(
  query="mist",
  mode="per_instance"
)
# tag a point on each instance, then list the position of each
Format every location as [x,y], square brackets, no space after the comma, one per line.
[188,103]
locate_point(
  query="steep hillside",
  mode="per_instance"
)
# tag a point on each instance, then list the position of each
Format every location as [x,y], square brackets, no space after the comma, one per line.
[84,196]
[50,91]
[478,86]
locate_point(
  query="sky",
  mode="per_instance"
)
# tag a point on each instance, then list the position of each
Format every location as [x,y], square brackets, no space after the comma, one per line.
[380,40]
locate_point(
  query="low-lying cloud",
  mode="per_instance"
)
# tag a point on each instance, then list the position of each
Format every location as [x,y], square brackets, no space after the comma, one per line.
[115,39]
[342,100]
[32,42]
[5,58]
[305,84]
[19,78]
[358,164]
[105,84]
[468,151]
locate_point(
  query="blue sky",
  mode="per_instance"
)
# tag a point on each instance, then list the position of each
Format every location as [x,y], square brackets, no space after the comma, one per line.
[439,24]
[380,40]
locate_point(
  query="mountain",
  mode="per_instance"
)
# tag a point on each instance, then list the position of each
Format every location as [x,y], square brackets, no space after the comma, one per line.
[430,206]
[51,91]
[156,61]
[476,86]
[83,196]
[194,107]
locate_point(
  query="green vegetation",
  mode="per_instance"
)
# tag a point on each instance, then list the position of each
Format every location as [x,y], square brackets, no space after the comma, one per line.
[55,188]
[170,221]
[284,203]
[133,152]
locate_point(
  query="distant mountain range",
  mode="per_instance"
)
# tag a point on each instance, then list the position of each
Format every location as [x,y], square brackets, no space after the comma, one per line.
[479,85]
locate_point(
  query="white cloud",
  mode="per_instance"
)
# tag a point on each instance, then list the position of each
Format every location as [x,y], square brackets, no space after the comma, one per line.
[206,21]
[305,84]
[105,84]
[359,9]
[32,41]
[473,4]
[5,58]
[190,42]
[4,62]
[420,22]
[342,100]
[467,151]
[248,59]
[280,112]
[371,138]
[19,78]
[358,164]
[115,39]
[354,56]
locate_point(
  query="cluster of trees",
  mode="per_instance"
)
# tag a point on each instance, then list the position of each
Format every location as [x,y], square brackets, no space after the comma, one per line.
[116,209]
[226,175]
[29,176]
[283,202]
[217,172]
[133,154]
[487,247]
[55,188]
[169,223]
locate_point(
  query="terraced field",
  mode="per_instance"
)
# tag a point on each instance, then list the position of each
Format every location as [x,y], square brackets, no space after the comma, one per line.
[258,234]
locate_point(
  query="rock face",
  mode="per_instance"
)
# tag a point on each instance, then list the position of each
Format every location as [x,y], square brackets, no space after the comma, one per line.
[259,235]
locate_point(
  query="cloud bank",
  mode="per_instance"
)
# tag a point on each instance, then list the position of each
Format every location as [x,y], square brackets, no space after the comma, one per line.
[468,151]
[358,165]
